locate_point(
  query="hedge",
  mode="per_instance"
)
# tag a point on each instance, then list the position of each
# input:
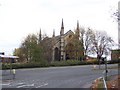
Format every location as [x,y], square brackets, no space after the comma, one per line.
[113,61]
[23,65]
[52,64]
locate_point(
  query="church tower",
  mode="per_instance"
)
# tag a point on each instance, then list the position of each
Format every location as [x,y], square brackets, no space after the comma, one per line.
[62,57]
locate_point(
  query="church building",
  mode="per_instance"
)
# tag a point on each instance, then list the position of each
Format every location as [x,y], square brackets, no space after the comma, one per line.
[66,46]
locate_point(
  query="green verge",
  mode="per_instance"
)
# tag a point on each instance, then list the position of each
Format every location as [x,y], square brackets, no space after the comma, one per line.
[100,84]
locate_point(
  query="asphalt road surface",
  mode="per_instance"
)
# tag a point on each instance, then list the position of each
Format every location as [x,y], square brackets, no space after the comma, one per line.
[54,77]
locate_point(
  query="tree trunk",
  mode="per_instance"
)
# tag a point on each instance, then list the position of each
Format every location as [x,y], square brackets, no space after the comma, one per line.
[99,57]
[99,63]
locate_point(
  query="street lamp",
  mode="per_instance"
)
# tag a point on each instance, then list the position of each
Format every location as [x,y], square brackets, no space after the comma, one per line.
[118,72]
[106,71]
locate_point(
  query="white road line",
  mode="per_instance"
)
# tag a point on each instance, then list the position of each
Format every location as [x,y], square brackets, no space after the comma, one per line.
[5,84]
[17,84]
[25,85]
[42,85]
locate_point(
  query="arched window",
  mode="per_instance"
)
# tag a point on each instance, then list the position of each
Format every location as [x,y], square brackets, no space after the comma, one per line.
[70,36]
[57,54]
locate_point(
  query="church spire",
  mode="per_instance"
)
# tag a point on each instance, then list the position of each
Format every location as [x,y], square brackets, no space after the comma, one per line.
[40,36]
[53,33]
[62,25]
[62,28]
[78,25]
[77,30]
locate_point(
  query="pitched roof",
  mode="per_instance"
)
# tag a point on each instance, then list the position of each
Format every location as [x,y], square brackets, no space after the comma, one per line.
[68,33]
[8,56]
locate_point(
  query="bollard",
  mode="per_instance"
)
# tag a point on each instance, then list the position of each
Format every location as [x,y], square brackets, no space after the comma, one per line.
[14,72]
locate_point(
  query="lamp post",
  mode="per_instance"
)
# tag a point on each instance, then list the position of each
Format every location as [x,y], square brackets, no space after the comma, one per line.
[106,71]
[118,72]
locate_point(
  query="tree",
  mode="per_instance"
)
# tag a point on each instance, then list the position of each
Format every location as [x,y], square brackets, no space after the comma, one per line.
[28,46]
[77,42]
[47,48]
[75,48]
[116,16]
[19,52]
[102,44]
[86,38]
[30,50]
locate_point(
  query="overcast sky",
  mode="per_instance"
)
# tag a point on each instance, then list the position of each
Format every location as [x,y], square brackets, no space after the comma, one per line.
[18,18]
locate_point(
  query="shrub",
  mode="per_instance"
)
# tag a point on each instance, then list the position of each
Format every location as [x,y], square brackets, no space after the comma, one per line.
[113,61]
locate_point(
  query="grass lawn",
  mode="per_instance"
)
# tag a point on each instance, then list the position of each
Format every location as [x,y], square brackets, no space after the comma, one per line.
[100,84]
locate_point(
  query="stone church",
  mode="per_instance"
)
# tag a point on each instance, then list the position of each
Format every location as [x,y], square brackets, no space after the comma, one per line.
[66,46]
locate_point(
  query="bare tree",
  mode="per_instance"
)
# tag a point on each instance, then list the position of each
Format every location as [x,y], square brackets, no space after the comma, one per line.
[116,16]
[87,36]
[102,44]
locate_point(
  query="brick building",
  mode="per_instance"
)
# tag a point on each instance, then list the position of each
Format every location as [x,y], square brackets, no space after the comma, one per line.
[115,54]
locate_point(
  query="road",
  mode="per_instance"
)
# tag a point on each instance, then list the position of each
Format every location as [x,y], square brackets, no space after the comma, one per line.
[55,77]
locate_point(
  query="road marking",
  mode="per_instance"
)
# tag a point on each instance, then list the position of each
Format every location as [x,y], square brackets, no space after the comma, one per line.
[42,85]
[5,84]
[19,83]
[25,85]
[16,84]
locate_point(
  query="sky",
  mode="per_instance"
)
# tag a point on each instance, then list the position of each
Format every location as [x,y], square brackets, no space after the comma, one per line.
[18,18]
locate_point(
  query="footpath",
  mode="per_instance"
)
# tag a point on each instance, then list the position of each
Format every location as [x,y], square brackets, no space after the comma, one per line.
[7,75]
